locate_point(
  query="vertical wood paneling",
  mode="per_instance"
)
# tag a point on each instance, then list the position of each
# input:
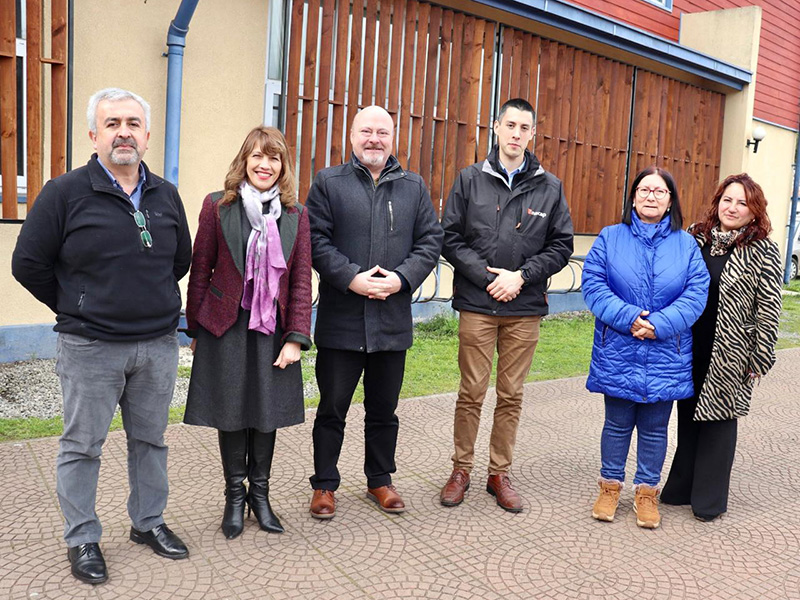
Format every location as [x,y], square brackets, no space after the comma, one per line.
[339,111]
[35,133]
[484,118]
[398,15]
[8,108]
[354,70]
[58,88]
[408,73]
[326,53]
[370,33]
[293,75]
[382,68]
[435,70]
[453,104]
[686,124]
[438,187]
[419,86]
[430,94]
[308,102]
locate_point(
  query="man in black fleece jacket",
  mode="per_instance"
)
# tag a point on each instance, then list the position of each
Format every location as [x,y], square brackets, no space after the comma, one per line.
[104,247]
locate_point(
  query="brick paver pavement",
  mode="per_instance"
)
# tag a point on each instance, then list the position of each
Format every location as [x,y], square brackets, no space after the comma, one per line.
[554,549]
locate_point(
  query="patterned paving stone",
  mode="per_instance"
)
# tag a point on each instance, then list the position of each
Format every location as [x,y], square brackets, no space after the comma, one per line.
[551,550]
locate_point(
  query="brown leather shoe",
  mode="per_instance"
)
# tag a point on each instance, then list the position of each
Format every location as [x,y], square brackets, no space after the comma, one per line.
[499,486]
[323,504]
[452,493]
[387,499]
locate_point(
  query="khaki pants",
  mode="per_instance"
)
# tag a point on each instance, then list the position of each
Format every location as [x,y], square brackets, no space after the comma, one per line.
[478,335]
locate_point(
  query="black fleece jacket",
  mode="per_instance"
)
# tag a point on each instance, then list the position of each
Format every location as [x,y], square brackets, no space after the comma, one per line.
[80,253]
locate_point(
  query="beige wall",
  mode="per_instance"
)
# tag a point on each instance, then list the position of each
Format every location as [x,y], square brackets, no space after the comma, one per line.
[120,44]
[711,32]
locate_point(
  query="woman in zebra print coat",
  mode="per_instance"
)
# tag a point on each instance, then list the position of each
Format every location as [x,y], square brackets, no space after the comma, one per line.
[734,343]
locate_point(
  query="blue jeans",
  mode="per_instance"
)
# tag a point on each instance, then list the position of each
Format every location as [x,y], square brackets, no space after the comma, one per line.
[651,421]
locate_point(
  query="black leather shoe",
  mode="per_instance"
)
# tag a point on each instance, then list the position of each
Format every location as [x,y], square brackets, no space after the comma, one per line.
[162,541]
[87,563]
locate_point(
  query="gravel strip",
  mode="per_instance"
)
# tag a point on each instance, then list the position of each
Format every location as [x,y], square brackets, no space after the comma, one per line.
[31,388]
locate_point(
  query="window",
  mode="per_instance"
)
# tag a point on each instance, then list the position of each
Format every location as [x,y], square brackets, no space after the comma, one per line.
[21,98]
[665,4]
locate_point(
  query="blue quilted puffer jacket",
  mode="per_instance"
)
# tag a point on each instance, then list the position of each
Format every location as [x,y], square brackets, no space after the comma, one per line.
[644,267]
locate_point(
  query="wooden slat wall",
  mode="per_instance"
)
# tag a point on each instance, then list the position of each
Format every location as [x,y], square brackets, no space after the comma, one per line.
[10,129]
[438,73]
[679,127]
[582,129]
[8,108]
[430,67]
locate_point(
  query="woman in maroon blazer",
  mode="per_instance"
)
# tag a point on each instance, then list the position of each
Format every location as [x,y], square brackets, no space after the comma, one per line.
[249,309]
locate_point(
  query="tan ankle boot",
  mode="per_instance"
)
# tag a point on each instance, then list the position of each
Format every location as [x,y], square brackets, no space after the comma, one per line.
[645,505]
[606,504]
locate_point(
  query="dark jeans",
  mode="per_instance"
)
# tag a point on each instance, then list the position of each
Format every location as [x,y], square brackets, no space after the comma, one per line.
[338,372]
[701,469]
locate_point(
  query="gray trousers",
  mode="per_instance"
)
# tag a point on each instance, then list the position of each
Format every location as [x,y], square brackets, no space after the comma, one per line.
[96,376]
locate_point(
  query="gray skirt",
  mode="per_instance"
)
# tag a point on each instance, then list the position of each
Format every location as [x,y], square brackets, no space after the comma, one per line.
[234,385]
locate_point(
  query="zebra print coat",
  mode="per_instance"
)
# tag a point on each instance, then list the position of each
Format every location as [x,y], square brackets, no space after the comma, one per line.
[746,331]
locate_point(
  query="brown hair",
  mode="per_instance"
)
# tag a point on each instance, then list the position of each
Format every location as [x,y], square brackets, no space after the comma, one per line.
[272,143]
[758,229]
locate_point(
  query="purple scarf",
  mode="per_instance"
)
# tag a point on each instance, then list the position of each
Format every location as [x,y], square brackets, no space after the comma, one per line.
[264,264]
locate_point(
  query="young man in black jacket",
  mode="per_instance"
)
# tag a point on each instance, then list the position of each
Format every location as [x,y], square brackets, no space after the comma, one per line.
[104,247]
[507,230]
[374,240]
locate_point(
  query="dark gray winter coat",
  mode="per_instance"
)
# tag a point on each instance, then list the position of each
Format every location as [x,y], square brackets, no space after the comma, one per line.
[355,225]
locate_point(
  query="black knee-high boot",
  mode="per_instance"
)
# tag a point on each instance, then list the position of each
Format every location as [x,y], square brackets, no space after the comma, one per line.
[233,450]
[261,447]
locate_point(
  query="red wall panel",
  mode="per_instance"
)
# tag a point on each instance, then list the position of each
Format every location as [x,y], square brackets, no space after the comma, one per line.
[778,75]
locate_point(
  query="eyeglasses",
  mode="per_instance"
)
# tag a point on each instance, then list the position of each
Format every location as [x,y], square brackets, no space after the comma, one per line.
[658,193]
[147,239]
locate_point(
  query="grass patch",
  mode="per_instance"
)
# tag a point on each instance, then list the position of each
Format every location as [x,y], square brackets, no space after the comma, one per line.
[789,331]
[26,429]
[564,350]
[793,286]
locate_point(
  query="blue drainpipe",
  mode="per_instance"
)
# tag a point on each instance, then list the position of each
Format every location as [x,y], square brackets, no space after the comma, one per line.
[793,213]
[176,41]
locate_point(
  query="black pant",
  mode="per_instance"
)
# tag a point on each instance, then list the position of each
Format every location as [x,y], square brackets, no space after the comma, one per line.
[338,372]
[701,469]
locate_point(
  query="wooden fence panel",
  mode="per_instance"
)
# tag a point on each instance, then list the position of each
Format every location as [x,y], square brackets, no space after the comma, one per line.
[443,74]
[13,164]
[686,123]
[8,108]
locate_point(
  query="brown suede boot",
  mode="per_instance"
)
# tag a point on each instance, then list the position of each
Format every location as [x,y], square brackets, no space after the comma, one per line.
[606,504]
[645,505]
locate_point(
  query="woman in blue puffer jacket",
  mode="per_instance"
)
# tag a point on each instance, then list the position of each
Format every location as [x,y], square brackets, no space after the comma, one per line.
[646,282]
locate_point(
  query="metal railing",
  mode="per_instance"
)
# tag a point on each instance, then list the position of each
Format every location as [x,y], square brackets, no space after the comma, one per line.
[575,266]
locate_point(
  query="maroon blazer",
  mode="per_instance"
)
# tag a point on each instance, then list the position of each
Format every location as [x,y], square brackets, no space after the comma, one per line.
[216,279]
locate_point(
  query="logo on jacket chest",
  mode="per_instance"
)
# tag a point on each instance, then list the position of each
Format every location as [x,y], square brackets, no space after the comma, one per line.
[536,213]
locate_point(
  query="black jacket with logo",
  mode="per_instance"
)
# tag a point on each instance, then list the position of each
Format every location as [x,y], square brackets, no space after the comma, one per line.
[355,225]
[525,227]
[80,253]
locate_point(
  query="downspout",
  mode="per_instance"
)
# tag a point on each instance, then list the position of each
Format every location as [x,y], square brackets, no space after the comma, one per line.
[793,213]
[176,42]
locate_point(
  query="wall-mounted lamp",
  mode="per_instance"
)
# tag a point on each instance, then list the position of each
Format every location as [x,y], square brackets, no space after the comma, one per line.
[759,133]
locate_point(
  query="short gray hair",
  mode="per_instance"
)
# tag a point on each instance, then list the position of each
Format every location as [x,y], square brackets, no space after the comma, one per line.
[114,95]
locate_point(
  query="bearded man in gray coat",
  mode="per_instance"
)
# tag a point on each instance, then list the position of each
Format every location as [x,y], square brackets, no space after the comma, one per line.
[374,238]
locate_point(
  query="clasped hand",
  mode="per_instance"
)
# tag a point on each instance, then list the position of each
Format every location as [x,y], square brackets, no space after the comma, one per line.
[376,284]
[506,285]
[642,328]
